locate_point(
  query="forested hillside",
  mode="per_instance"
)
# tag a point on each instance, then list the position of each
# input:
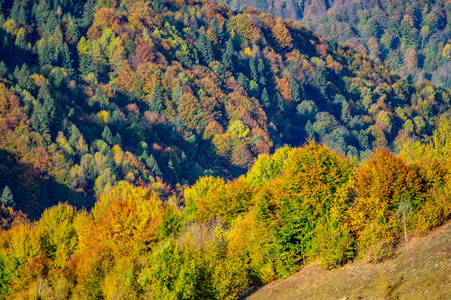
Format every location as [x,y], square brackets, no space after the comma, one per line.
[294,207]
[414,37]
[93,93]
[172,131]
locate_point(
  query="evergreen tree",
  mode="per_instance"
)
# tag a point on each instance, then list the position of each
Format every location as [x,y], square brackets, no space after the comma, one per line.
[157,6]
[319,79]
[227,57]
[14,13]
[244,81]
[23,78]
[151,163]
[44,93]
[41,13]
[7,198]
[177,93]
[204,46]
[309,130]
[57,42]
[107,136]
[45,53]
[50,25]
[156,100]
[261,71]
[295,90]
[279,101]
[214,25]
[20,42]
[49,108]
[75,135]
[72,33]
[22,16]
[265,98]
[58,77]
[3,69]
[100,98]
[66,60]
[88,13]
[86,65]
[39,120]
[254,69]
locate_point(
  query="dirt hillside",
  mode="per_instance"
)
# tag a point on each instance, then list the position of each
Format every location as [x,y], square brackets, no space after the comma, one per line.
[421,269]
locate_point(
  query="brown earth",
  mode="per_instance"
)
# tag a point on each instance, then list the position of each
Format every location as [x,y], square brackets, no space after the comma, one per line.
[421,269]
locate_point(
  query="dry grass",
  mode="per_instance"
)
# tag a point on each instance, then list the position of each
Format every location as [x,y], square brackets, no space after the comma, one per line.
[420,270]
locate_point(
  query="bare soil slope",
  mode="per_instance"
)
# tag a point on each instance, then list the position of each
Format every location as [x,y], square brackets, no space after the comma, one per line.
[420,270]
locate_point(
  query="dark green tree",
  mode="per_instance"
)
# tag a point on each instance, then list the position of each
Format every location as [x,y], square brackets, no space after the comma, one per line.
[7,198]
[157,6]
[244,81]
[88,13]
[261,71]
[39,119]
[44,93]
[14,13]
[41,13]
[151,163]
[45,53]
[204,46]
[295,93]
[66,60]
[279,101]
[22,17]
[319,79]
[100,99]
[156,103]
[265,98]
[3,69]
[107,136]
[86,65]
[177,93]
[309,130]
[23,78]
[254,68]
[214,25]
[227,57]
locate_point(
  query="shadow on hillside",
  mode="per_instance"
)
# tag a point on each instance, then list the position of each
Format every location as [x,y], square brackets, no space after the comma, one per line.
[32,190]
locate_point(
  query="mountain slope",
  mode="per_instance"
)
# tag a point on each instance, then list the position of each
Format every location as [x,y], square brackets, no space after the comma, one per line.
[420,270]
[412,36]
[138,91]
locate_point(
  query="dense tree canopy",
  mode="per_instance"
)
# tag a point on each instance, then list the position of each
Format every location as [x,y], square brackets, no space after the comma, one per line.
[152,150]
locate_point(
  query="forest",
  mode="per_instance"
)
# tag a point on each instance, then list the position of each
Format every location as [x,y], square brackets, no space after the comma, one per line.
[413,37]
[181,150]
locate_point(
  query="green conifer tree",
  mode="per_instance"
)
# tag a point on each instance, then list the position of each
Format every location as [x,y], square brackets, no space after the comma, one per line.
[66,60]
[295,90]
[23,78]
[265,98]
[3,69]
[156,100]
[41,13]
[107,136]
[22,16]
[88,13]
[204,46]
[177,93]
[261,71]
[14,13]
[254,68]
[227,57]
[279,101]
[157,6]
[45,53]
[7,198]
